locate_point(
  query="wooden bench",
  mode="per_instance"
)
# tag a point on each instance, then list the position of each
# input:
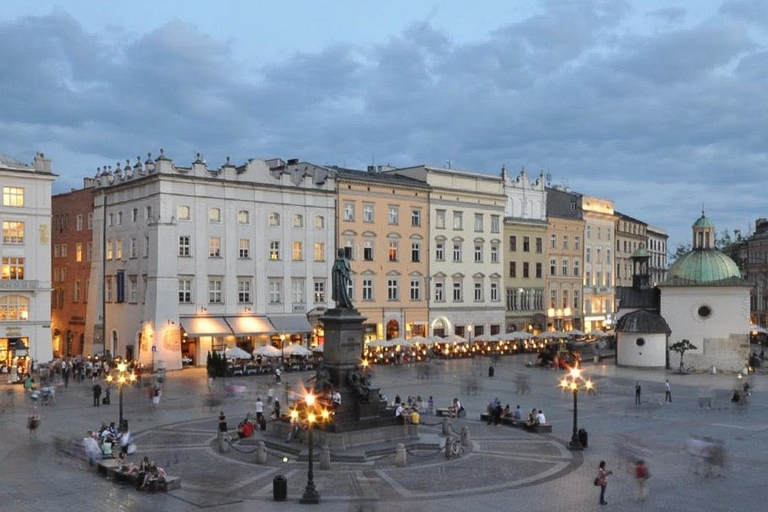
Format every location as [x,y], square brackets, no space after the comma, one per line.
[109,467]
[446,411]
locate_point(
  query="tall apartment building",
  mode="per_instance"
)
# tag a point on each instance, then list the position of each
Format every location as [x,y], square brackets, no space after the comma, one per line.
[25,256]
[631,235]
[525,256]
[195,258]
[465,262]
[565,253]
[382,224]
[599,227]
[657,249]
[72,242]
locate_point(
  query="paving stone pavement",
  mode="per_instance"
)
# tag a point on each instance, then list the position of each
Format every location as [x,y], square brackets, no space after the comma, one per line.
[504,467]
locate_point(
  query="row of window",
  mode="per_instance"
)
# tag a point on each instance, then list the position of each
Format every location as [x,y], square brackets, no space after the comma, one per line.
[369,214]
[457,218]
[526,244]
[565,298]
[599,230]
[565,242]
[61,221]
[525,299]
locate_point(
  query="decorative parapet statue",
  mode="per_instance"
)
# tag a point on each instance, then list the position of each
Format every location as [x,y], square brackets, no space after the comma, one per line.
[341,280]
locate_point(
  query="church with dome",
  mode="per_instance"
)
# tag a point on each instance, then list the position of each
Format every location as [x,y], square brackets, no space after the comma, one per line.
[703,300]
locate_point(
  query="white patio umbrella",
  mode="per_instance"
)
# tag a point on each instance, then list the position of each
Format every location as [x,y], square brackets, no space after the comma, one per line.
[267,351]
[758,329]
[318,348]
[596,333]
[435,339]
[398,341]
[378,343]
[418,340]
[236,353]
[516,335]
[296,350]
[454,339]
[483,338]
[576,332]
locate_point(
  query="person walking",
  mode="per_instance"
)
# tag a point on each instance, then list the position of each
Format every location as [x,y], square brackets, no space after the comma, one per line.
[96,394]
[667,392]
[641,477]
[259,410]
[602,480]
[638,390]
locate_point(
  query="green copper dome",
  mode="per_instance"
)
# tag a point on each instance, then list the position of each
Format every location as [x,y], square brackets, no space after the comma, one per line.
[707,267]
[703,222]
[641,253]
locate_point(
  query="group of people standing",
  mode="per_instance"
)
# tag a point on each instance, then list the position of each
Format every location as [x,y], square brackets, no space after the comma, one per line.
[641,476]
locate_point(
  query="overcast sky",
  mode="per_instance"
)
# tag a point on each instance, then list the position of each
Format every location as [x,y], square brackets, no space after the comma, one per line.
[660,105]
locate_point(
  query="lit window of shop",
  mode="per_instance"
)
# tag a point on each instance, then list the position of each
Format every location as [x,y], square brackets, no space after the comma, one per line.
[13,232]
[13,269]
[14,308]
[13,196]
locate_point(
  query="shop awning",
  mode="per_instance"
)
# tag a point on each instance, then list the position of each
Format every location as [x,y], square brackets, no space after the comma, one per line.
[205,326]
[290,323]
[250,325]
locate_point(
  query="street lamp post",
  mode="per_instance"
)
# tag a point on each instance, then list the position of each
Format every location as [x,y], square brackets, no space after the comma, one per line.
[122,378]
[312,412]
[469,332]
[574,382]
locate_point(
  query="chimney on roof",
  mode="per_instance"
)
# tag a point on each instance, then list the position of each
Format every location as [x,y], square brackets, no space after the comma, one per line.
[372,168]
[41,163]
[293,161]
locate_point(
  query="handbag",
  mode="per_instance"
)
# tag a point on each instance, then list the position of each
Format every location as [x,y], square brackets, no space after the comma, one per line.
[597,482]
[131,449]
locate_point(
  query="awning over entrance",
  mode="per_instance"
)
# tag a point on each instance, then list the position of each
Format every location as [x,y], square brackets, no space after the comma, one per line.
[205,326]
[250,325]
[290,323]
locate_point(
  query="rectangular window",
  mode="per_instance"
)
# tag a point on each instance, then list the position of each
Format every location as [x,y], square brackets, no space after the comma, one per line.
[13,196]
[63,250]
[78,252]
[367,212]
[495,224]
[297,290]
[319,251]
[13,232]
[79,222]
[564,268]
[392,250]
[576,269]
[367,288]
[298,221]
[457,252]
[89,251]
[478,253]
[214,247]
[394,215]
[244,249]
[349,212]
[275,291]
[416,218]
[576,301]
[134,216]
[392,289]
[368,250]
[553,241]
[76,291]
[539,244]
[214,215]
[215,295]
[577,243]
[494,292]
[148,213]
[109,250]
[319,291]
[119,218]
[457,295]
[119,249]
[494,254]
[440,251]
[185,290]
[133,289]
[588,255]
[553,299]
[478,222]
[478,292]
[553,267]
[184,246]
[565,299]
[512,269]
[108,292]
[182,212]
[244,290]
[146,247]
[526,270]
[319,222]
[274,250]
[458,220]
[243,217]
[512,243]
[274,220]
[134,248]
[565,241]
[439,291]
[415,252]
[440,219]
[298,251]
[90,221]
[539,270]
[415,289]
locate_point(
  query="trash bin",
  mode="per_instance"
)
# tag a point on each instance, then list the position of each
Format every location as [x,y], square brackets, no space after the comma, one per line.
[491,371]
[583,437]
[280,488]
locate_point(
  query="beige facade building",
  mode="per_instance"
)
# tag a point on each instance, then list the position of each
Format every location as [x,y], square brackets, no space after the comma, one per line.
[383,226]
[565,256]
[631,235]
[465,259]
[599,237]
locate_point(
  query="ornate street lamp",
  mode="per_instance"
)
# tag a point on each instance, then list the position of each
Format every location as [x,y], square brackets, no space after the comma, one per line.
[309,412]
[121,379]
[574,382]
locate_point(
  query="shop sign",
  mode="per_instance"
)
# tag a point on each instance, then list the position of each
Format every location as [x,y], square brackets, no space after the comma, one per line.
[13,331]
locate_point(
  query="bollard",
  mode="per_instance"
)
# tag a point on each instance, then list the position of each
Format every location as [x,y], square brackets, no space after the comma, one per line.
[400,456]
[465,440]
[325,457]
[261,453]
[223,444]
[446,427]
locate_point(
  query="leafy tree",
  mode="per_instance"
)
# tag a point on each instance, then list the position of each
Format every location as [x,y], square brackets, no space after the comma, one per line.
[681,347]
[682,250]
[216,365]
